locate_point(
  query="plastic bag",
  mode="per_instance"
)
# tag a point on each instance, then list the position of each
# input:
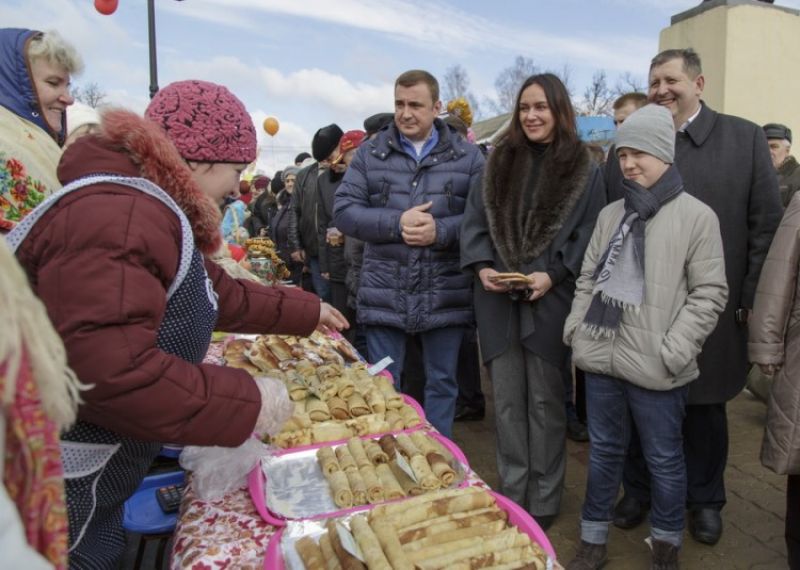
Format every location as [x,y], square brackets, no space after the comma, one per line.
[276,407]
[217,471]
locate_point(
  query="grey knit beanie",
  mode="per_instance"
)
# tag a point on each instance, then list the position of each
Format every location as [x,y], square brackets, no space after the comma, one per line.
[651,130]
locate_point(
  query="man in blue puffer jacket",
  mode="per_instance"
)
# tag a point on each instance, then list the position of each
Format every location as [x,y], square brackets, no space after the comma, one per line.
[404,195]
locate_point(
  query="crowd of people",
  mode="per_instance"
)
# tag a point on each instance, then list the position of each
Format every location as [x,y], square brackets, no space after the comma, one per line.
[647,286]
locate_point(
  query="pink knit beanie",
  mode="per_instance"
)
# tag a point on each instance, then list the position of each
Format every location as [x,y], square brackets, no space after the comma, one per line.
[205,121]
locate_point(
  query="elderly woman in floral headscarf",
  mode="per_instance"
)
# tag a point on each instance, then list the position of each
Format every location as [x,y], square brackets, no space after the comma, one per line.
[35,71]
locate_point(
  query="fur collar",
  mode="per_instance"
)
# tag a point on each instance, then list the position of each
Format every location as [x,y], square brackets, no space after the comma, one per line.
[520,236]
[159,161]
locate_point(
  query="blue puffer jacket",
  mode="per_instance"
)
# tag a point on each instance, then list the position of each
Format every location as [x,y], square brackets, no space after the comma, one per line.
[412,288]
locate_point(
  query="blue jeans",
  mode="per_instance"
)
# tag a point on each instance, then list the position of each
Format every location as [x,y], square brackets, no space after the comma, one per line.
[440,358]
[611,405]
[321,286]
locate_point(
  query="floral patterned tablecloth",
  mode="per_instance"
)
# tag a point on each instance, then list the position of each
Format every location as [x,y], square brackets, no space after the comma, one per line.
[226,533]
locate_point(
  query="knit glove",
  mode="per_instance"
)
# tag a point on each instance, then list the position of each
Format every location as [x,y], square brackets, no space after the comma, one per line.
[276,407]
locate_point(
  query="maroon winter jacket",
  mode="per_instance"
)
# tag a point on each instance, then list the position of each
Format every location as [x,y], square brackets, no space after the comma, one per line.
[102,260]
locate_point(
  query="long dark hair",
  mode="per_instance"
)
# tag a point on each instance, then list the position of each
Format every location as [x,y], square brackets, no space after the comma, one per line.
[566,146]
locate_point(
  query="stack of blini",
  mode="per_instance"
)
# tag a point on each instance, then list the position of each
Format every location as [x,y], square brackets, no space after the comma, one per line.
[367,471]
[456,529]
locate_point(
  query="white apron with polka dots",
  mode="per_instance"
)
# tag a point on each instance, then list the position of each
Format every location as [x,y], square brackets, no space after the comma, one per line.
[102,468]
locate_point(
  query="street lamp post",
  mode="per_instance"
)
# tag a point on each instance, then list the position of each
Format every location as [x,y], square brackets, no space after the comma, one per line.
[151,32]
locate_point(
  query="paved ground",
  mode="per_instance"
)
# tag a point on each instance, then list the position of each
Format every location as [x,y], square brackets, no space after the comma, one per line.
[753,517]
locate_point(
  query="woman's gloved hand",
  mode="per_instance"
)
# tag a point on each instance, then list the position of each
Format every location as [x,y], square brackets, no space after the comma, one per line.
[276,407]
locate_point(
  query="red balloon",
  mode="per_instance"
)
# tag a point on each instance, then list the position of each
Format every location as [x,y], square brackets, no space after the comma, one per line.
[106,7]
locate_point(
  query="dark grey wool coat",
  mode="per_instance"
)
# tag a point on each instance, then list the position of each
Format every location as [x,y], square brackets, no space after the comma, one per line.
[550,236]
[725,162]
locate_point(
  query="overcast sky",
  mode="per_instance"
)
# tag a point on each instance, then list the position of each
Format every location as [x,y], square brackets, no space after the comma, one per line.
[313,62]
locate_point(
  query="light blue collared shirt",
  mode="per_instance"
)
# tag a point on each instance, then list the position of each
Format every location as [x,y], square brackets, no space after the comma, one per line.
[426,149]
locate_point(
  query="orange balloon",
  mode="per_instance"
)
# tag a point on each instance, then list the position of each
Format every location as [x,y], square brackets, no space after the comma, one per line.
[271,126]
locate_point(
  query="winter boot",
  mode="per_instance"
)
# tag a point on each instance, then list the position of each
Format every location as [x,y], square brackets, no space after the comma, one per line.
[589,557]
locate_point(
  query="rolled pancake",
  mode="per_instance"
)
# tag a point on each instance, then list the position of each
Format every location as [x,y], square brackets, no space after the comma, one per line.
[262,357]
[438,525]
[236,348]
[395,420]
[344,387]
[410,416]
[358,486]
[374,488]
[422,472]
[433,505]
[327,460]
[425,443]
[317,410]
[295,438]
[521,557]
[330,431]
[368,424]
[375,401]
[368,543]
[340,489]
[406,446]
[310,553]
[388,444]
[410,487]
[346,461]
[331,561]
[296,386]
[391,488]
[338,408]
[357,405]
[393,399]
[374,452]
[328,372]
[441,469]
[279,348]
[445,555]
[486,529]
[356,448]
[297,422]
[391,546]
[347,560]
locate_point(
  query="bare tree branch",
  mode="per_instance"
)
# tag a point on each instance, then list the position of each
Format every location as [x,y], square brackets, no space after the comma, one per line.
[597,98]
[628,83]
[510,80]
[456,84]
[90,94]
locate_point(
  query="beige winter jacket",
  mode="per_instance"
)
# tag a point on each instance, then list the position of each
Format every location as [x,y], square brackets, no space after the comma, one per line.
[775,339]
[656,347]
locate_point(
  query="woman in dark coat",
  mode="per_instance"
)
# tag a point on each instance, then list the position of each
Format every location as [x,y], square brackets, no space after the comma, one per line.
[279,226]
[535,214]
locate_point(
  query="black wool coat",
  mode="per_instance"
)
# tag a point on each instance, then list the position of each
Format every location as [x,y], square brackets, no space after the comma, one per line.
[551,235]
[725,162]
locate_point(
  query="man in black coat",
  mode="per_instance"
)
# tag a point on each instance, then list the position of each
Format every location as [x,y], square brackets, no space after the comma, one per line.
[725,162]
[303,211]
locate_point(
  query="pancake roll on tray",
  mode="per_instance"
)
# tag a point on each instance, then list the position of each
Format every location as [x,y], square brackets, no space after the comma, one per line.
[459,529]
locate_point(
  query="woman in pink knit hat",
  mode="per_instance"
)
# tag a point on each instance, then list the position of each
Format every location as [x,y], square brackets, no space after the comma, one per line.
[119,258]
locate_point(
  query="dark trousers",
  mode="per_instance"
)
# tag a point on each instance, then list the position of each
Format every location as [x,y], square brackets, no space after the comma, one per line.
[469,372]
[705,446]
[470,394]
[793,521]
[339,301]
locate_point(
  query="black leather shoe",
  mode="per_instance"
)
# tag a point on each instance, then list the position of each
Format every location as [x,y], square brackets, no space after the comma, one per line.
[705,525]
[577,431]
[630,512]
[467,414]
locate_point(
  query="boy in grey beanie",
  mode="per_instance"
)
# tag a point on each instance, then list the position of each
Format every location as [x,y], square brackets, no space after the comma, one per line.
[651,289]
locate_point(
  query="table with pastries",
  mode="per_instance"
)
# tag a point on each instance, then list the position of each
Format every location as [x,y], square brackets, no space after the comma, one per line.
[363,481]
